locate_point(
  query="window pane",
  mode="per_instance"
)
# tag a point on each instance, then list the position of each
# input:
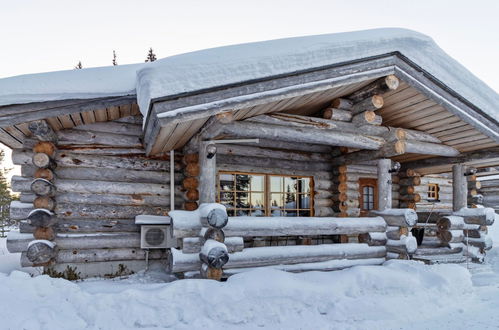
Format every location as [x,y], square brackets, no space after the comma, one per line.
[242,182]
[303,202]
[305,213]
[257,200]
[276,183]
[258,213]
[227,198]
[257,182]
[290,184]
[242,213]
[226,182]
[276,201]
[304,187]
[242,200]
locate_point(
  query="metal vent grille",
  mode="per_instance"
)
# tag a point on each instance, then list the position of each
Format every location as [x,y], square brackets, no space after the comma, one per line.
[154,236]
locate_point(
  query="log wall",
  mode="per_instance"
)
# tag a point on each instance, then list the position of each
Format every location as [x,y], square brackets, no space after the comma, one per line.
[444,202]
[102,181]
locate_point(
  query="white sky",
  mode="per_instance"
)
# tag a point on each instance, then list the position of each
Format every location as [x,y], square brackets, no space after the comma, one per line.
[49,35]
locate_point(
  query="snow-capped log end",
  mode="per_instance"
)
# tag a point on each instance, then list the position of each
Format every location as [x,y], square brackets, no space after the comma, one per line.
[40,251]
[217,218]
[214,254]
[41,218]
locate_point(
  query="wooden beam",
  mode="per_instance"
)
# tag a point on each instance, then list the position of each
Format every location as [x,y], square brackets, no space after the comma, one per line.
[384,184]
[293,134]
[459,187]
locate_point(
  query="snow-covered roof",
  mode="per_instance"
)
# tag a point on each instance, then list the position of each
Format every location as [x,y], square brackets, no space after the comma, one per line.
[221,66]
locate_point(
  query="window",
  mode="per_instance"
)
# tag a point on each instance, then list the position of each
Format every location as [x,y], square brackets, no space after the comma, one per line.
[433,190]
[245,194]
[368,195]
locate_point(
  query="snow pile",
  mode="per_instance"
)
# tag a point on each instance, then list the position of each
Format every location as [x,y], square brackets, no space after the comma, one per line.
[365,297]
[227,65]
[70,84]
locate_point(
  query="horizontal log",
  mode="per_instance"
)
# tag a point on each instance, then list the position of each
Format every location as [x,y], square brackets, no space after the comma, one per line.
[398,217]
[19,210]
[112,127]
[371,103]
[406,244]
[104,150]
[367,118]
[257,151]
[337,114]
[68,159]
[438,251]
[477,216]
[373,239]
[248,129]
[450,236]
[342,103]
[92,211]
[484,243]
[101,255]
[377,87]
[115,199]
[274,163]
[450,223]
[184,225]
[247,168]
[78,137]
[267,256]
[194,244]
[65,225]
[19,242]
[214,254]
[428,148]
[315,266]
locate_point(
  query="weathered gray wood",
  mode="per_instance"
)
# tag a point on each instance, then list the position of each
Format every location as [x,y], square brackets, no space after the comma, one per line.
[459,187]
[450,223]
[367,118]
[427,148]
[20,242]
[438,251]
[135,120]
[40,252]
[207,178]
[68,159]
[407,244]
[43,160]
[194,244]
[283,226]
[257,151]
[337,114]
[42,131]
[107,174]
[21,184]
[19,210]
[384,184]
[371,103]
[41,218]
[249,129]
[113,127]
[92,211]
[342,103]
[483,243]
[282,255]
[373,239]
[274,163]
[116,199]
[450,236]
[377,87]
[72,225]
[77,137]
[398,217]
[217,218]
[476,216]
[99,255]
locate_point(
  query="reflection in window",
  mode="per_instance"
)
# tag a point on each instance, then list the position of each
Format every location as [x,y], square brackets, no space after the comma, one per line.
[265,195]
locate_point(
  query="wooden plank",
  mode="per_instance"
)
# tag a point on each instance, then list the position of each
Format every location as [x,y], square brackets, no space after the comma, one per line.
[66,121]
[77,119]
[88,117]
[113,113]
[101,115]
[125,110]
[54,123]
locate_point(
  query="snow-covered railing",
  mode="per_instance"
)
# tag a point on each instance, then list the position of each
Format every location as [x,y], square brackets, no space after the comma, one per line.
[198,241]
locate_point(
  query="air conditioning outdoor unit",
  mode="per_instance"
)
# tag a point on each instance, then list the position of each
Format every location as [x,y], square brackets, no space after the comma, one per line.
[155,232]
[154,236]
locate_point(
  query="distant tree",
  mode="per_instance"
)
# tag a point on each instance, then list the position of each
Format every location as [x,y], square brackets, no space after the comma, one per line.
[114,58]
[5,198]
[79,66]
[151,57]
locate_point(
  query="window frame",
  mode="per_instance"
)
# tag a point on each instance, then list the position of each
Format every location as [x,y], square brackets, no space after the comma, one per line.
[435,192]
[267,192]
[367,182]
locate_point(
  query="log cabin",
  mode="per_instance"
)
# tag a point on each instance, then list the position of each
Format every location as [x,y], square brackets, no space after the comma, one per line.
[308,153]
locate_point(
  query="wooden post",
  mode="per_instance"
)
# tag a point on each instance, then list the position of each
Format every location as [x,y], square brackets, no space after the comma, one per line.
[207,178]
[384,184]
[459,187]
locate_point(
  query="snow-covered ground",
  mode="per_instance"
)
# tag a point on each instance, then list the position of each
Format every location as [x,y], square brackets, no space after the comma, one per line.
[397,295]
